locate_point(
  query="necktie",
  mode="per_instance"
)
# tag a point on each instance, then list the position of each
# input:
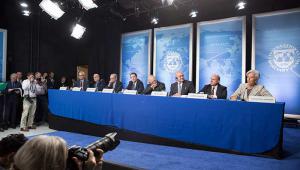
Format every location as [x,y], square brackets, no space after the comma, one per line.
[179,88]
[81,84]
[96,86]
[134,86]
[212,90]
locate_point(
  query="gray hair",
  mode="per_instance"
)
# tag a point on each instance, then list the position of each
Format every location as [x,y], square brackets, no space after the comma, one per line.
[43,153]
[216,75]
[13,74]
[255,72]
[115,75]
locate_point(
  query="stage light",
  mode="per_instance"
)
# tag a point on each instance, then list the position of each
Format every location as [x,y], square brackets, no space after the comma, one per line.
[154,20]
[88,4]
[26,13]
[240,5]
[52,9]
[193,13]
[78,31]
[23,4]
[170,2]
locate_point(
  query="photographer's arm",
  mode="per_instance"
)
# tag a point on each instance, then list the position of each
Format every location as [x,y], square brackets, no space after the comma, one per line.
[93,163]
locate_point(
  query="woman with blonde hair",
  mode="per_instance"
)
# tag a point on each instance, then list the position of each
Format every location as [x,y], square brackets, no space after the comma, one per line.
[251,88]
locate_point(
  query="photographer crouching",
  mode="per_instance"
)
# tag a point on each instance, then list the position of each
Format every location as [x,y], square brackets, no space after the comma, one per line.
[29,103]
[51,153]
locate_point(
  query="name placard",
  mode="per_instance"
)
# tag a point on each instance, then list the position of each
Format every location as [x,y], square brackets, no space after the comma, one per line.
[262,99]
[159,93]
[107,90]
[131,92]
[197,96]
[63,88]
[76,89]
[91,89]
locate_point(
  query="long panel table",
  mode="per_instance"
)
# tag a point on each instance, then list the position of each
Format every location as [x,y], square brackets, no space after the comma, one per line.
[246,127]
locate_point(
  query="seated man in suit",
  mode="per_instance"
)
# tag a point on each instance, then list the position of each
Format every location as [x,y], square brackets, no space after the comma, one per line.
[154,85]
[251,88]
[82,82]
[63,82]
[135,84]
[215,90]
[51,83]
[182,86]
[98,84]
[114,83]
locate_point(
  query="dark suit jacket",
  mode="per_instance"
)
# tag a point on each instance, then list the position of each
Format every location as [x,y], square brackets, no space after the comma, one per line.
[10,85]
[139,86]
[117,88]
[221,91]
[187,87]
[85,84]
[160,87]
[50,84]
[65,84]
[99,86]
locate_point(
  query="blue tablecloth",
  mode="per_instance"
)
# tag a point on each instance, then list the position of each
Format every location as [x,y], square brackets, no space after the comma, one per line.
[240,126]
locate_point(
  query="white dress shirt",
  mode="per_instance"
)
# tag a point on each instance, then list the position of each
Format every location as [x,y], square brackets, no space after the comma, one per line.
[29,88]
[215,91]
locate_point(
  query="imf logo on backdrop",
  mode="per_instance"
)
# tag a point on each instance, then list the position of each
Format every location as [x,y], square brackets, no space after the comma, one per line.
[172,61]
[284,57]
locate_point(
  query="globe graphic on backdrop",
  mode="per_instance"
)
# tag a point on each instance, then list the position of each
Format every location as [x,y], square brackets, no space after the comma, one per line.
[223,61]
[135,56]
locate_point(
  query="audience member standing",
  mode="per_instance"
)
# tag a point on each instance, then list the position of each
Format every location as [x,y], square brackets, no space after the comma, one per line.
[13,93]
[29,103]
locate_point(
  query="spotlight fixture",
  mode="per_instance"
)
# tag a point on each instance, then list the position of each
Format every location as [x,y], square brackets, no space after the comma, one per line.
[26,13]
[169,2]
[88,4]
[23,4]
[78,31]
[52,9]
[193,13]
[154,21]
[240,5]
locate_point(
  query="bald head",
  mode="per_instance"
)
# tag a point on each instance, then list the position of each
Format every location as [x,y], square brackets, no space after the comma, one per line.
[214,79]
[151,79]
[81,75]
[113,78]
[179,76]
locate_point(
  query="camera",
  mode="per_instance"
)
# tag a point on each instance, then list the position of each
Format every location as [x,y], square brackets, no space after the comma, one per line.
[108,143]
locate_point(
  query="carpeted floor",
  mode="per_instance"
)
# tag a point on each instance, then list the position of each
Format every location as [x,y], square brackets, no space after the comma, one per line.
[148,156]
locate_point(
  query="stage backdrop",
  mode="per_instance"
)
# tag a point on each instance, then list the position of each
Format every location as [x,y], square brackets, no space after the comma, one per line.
[276,54]
[3,40]
[221,50]
[135,56]
[172,53]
